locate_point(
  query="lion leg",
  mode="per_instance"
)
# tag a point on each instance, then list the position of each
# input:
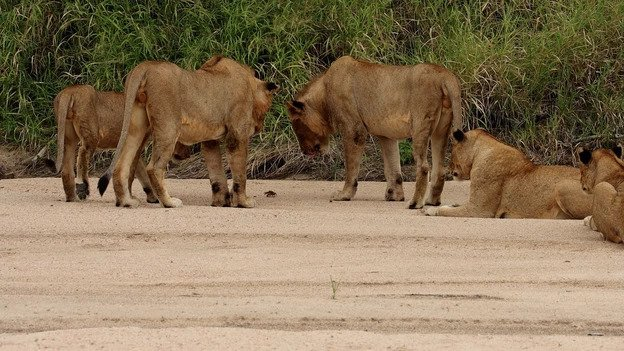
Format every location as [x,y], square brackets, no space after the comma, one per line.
[237,159]
[420,141]
[353,150]
[216,173]
[127,155]
[141,174]
[467,210]
[572,200]
[84,159]
[392,169]
[589,222]
[69,161]
[438,149]
[162,151]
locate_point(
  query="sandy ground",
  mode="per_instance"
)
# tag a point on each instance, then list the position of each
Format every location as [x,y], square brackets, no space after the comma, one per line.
[297,272]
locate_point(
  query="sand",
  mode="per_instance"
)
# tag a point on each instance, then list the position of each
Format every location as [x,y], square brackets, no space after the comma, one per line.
[297,272]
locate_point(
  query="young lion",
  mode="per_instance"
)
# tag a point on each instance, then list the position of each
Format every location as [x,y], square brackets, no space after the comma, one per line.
[602,175]
[358,98]
[222,99]
[93,119]
[506,184]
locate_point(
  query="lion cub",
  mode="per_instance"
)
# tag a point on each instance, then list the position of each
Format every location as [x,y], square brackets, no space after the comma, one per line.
[92,119]
[602,174]
[506,184]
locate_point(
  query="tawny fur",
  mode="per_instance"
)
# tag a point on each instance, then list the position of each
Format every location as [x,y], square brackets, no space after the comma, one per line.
[93,120]
[602,175]
[356,98]
[506,184]
[221,101]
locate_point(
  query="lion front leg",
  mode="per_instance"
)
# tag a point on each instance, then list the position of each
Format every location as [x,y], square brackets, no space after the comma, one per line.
[216,173]
[392,169]
[353,150]
[237,158]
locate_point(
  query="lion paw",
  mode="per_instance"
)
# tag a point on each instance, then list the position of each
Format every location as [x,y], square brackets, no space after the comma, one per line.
[415,206]
[341,196]
[243,201]
[82,190]
[394,195]
[588,221]
[431,211]
[172,203]
[132,202]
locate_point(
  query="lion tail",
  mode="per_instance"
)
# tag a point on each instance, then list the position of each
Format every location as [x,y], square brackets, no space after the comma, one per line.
[453,88]
[133,82]
[63,102]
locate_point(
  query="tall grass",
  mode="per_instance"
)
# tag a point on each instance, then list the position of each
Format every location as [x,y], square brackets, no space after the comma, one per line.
[544,75]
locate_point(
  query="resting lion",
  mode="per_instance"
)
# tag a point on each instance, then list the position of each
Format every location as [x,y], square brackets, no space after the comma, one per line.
[602,174]
[221,100]
[92,119]
[357,98]
[506,184]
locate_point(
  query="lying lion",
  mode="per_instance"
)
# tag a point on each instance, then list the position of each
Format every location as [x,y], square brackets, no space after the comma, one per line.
[602,174]
[92,119]
[358,98]
[221,100]
[506,184]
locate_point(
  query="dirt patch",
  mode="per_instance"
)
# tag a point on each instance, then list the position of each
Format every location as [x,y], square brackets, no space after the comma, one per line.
[365,273]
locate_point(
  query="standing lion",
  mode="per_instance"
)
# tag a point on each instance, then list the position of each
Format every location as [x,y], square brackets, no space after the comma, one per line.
[221,100]
[357,98]
[92,119]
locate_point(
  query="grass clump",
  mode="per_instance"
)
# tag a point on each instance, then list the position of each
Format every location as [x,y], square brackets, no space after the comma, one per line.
[544,75]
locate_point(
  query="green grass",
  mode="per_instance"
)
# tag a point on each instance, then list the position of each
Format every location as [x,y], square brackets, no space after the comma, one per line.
[544,75]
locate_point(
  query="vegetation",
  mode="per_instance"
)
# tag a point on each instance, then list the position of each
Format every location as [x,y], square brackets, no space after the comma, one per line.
[544,75]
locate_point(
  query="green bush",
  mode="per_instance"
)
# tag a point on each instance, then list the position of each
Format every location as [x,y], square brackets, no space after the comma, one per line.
[544,75]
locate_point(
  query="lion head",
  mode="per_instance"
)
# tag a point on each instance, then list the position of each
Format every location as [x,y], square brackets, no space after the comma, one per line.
[263,96]
[310,127]
[461,155]
[599,165]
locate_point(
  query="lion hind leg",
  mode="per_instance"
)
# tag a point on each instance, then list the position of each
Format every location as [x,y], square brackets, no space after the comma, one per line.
[141,174]
[420,143]
[162,151]
[572,201]
[68,175]
[392,169]
[84,159]
[127,156]
[237,158]
[438,149]
[218,181]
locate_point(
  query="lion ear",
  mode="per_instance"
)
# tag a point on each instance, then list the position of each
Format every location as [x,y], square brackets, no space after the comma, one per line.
[584,155]
[459,136]
[211,62]
[272,87]
[617,150]
[296,107]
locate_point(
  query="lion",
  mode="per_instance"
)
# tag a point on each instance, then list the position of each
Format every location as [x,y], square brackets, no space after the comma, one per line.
[221,100]
[602,175]
[92,119]
[506,184]
[356,98]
